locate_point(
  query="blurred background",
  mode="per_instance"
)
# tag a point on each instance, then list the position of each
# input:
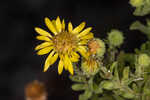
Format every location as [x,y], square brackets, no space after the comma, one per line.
[19,63]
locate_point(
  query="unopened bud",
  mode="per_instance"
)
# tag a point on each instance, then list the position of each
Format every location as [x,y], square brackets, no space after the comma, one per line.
[115,38]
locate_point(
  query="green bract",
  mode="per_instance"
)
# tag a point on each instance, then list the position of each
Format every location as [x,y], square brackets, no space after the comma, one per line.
[101,50]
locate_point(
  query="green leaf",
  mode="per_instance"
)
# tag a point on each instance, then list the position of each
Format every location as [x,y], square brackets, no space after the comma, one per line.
[77,78]
[148,22]
[113,66]
[97,89]
[142,11]
[105,73]
[106,97]
[125,74]
[137,51]
[108,85]
[86,95]
[145,97]
[135,88]
[143,47]
[139,26]
[130,58]
[116,75]
[127,93]
[95,97]
[117,97]
[79,87]
[147,87]
[142,8]
[90,83]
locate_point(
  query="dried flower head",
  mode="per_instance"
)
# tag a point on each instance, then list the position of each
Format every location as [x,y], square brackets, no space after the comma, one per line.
[35,91]
[65,44]
[96,47]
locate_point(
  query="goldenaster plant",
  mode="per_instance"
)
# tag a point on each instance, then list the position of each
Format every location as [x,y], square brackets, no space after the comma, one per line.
[100,67]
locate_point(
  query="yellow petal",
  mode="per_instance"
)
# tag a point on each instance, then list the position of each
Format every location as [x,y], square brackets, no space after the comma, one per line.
[82,50]
[74,59]
[83,42]
[84,32]
[63,24]
[45,50]
[42,32]
[75,54]
[60,67]
[65,62]
[70,27]
[43,45]
[53,58]
[48,61]
[70,67]
[68,63]
[65,66]
[58,24]
[44,38]
[88,36]
[50,25]
[79,28]
[54,22]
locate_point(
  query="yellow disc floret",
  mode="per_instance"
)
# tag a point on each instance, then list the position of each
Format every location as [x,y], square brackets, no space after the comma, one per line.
[65,42]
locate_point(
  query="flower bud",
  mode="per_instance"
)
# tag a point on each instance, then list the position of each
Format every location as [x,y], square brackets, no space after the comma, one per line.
[115,38]
[97,47]
[144,60]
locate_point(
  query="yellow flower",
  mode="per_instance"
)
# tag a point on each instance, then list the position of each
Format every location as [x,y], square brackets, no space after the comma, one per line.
[63,43]
[90,66]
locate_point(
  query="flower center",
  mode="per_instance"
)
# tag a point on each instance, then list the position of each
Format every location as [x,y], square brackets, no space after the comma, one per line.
[65,42]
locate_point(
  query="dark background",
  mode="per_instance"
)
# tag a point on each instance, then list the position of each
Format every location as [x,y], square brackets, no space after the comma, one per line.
[19,63]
